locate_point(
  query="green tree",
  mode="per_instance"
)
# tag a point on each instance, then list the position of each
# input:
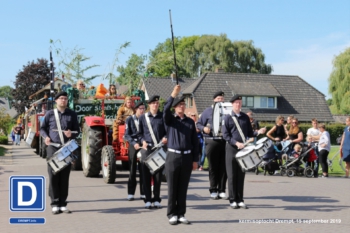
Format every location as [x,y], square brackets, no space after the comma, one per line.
[70,63]
[132,73]
[6,92]
[32,78]
[5,121]
[199,54]
[339,83]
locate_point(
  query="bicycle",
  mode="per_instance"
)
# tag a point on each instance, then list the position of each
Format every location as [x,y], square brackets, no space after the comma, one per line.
[341,162]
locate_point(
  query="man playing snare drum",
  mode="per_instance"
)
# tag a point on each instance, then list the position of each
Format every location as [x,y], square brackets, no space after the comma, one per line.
[215,151]
[235,142]
[59,182]
[146,136]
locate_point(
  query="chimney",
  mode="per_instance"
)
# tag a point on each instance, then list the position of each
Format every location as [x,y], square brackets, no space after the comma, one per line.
[219,70]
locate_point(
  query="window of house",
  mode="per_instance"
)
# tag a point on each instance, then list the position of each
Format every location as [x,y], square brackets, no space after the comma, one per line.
[189,102]
[247,101]
[267,102]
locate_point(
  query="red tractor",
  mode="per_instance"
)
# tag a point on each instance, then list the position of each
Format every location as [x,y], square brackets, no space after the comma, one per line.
[97,150]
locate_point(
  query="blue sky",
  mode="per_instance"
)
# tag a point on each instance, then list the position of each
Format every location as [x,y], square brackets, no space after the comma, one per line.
[298,37]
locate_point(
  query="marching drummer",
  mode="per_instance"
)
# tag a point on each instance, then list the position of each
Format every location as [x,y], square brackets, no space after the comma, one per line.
[59,182]
[215,151]
[149,138]
[131,131]
[182,156]
[235,134]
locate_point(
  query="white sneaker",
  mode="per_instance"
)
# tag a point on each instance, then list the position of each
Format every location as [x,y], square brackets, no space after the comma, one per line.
[277,172]
[242,205]
[157,205]
[55,210]
[130,197]
[148,205]
[234,205]
[142,197]
[64,209]
[214,196]
[222,195]
[183,220]
[173,220]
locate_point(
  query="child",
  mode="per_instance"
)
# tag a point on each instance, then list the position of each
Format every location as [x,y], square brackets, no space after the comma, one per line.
[294,154]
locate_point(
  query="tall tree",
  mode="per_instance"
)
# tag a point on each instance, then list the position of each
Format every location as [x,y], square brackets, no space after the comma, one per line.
[70,63]
[339,83]
[199,54]
[132,73]
[33,77]
[6,91]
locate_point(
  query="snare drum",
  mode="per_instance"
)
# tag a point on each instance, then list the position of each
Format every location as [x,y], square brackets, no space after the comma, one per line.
[265,141]
[248,158]
[156,160]
[63,157]
[219,112]
[260,150]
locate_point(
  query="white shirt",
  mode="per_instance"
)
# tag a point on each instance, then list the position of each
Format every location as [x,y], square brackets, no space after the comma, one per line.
[313,132]
[325,139]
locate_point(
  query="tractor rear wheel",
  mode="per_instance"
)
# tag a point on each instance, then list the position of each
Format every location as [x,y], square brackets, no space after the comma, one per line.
[91,146]
[43,147]
[108,165]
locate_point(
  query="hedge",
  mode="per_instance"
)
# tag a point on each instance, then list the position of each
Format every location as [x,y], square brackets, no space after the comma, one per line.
[4,140]
[334,130]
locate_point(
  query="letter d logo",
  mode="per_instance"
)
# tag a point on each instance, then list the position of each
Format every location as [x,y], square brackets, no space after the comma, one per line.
[27,193]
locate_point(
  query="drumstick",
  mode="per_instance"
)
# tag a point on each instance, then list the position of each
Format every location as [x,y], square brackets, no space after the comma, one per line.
[258,131]
[65,130]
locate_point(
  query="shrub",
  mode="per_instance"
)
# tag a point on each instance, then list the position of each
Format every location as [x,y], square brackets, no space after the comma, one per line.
[4,140]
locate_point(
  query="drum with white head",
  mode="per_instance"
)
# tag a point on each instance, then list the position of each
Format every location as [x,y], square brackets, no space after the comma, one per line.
[156,160]
[220,109]
[248,158]
[260,150]
[265,141]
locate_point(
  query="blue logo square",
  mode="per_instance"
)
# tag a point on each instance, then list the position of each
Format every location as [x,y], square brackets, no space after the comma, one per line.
[27,193]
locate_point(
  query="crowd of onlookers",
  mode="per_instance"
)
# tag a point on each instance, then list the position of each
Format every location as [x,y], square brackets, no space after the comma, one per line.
[290,131]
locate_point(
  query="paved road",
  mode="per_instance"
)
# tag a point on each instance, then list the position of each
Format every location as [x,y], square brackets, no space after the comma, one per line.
[98,207]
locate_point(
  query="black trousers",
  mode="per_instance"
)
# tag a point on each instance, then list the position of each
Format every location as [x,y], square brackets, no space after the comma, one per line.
[322,158]
[178,169]
[215,150]
[235,175]
[58,183]
[147,176]
[132,167]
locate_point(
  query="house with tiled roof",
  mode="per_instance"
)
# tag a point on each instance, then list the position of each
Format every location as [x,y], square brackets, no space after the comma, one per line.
[267,96]
[4,103]
[163,86]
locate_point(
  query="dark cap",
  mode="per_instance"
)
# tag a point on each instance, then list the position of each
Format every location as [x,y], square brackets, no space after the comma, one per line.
[219,93]
[153,98]
[62,93]
[138,104]
[235,97]
[178,100]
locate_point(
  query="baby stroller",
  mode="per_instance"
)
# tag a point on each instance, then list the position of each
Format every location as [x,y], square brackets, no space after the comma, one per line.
[270,162]
[297,165]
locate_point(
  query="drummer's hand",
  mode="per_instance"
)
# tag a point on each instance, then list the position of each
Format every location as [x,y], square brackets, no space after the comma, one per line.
[47,141]
[144,145]
[137,146]
[239,145]
[164,140]
[206,130]
[68,133]
[176,91]
[277,139]
[262,131]
[194,166]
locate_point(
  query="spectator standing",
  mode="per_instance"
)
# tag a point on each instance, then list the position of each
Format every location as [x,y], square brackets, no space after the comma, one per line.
[315,134]
[324,148]
[345,147]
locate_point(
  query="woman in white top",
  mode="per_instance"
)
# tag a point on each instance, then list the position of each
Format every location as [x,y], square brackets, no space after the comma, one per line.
[324,146]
